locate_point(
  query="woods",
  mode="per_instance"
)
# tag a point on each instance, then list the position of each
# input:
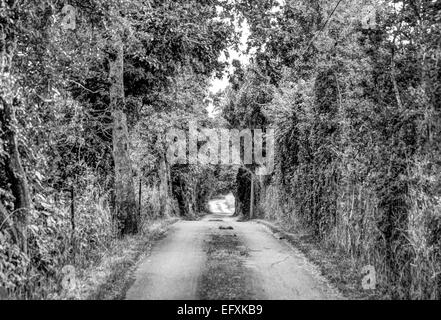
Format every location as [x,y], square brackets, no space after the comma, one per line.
[356,107]
[82,89]
[88,93]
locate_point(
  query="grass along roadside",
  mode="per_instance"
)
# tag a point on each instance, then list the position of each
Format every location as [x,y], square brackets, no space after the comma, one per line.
[111,278]
[224,276]
[335,267]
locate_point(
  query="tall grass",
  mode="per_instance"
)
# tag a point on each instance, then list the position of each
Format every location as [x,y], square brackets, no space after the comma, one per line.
[54,244]
[355,234]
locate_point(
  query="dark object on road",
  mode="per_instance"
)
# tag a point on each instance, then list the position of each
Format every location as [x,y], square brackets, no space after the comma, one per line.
[216,220]
[226,228]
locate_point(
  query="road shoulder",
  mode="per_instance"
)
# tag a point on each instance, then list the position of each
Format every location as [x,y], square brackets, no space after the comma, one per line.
[334,267]
[111,279]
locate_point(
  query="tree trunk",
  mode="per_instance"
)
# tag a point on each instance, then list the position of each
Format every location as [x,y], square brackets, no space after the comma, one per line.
[252,197]
[164,187]
[6,223]
[16,174]
[72,223]
[125,200]
[139,198]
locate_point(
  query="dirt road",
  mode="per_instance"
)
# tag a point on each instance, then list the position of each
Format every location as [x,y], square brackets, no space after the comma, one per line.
[221,258]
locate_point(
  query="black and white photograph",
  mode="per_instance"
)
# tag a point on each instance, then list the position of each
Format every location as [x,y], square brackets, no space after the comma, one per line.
[221,155]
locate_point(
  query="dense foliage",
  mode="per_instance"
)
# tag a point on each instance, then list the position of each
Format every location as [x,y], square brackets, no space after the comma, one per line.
[84,88]
[88,92]
[356,103]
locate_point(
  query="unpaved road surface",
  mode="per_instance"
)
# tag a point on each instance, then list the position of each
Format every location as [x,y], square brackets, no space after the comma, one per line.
[219,257]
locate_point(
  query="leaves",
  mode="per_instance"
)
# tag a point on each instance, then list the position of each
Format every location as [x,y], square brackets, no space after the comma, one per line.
[349,125]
